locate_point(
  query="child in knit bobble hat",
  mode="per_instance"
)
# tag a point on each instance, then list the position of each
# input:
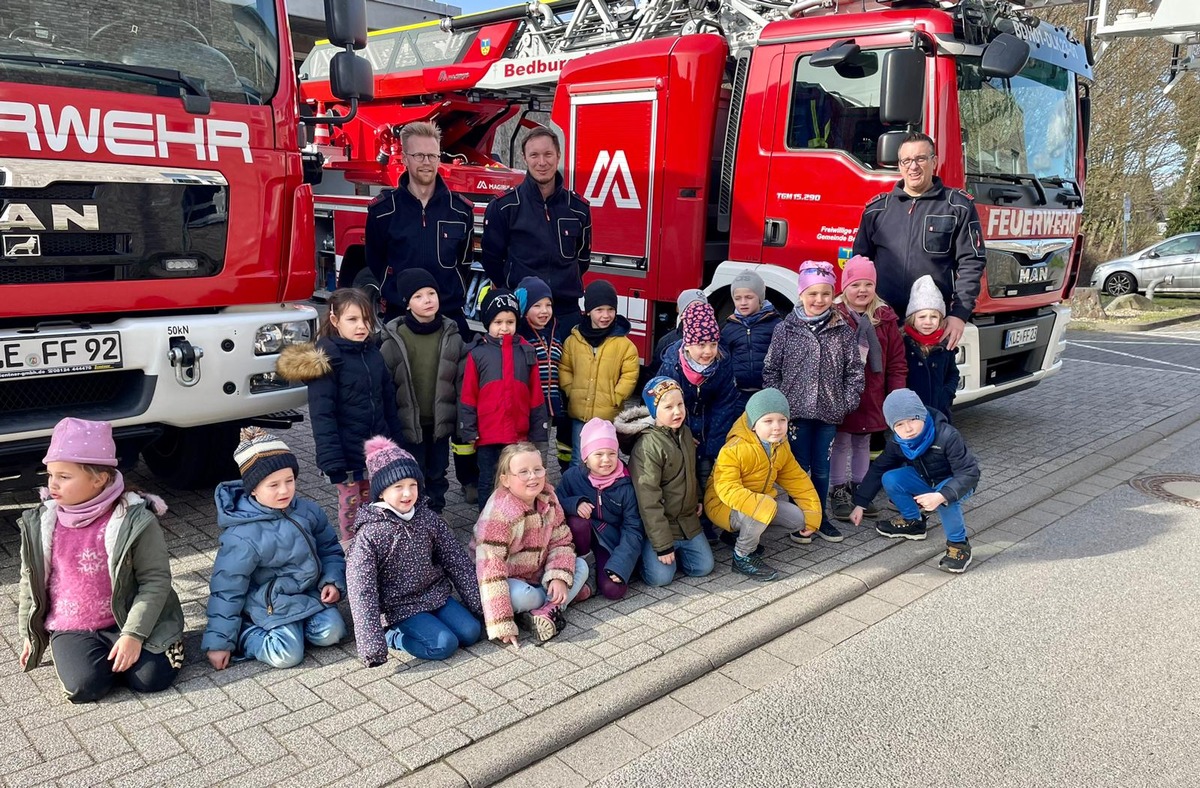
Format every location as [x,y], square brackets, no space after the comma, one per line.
[814,360]
[279,572]
[932,368]
[753,470]
[95,574]
[404,562]
[747,332]
[546,333]
[602,509]
[882,348]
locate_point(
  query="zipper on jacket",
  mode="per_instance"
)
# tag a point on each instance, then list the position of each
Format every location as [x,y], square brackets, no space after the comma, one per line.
[270,602]
[312,547]
[367,368]
[423,222]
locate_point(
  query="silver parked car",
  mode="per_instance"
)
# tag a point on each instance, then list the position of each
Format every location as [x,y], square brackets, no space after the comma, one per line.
[1178,257]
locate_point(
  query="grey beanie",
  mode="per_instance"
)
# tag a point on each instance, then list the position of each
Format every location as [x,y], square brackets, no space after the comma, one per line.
[687,297]
[925,295]
[903,404]
[764,402]
[750,281]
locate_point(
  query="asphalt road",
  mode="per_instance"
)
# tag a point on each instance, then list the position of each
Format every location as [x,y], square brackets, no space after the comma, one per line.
[1067,660]
[1173,349]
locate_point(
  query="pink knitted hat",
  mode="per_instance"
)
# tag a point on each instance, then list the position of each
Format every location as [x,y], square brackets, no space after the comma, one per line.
[82,441]
[387,464]
[700,324]
[597,434]
[815,272]
[858,268]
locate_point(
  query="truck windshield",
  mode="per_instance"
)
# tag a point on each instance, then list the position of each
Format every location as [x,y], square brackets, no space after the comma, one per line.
[1023,125]
[837,108]
[228,49]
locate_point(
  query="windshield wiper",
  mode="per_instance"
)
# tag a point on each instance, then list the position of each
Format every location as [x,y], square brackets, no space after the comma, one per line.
[1069,200]
[194,95]
[1014,177]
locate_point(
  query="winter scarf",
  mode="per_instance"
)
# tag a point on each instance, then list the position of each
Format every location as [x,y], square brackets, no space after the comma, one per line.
[816,323]
[417,327]
[604,482]
[81,515]
[868,339]
[915,447]
[595,336]
[692,371]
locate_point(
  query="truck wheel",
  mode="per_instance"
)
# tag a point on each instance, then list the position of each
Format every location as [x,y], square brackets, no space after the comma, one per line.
[1120,283]
[195,457]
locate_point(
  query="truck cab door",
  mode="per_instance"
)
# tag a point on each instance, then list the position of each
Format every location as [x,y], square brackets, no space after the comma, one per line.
[821,150]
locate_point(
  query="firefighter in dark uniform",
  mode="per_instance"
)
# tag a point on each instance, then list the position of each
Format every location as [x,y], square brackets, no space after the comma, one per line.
[540,229]
[422,224]
[923,227]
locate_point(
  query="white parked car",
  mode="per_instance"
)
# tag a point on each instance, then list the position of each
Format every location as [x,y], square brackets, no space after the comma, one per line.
[1178,257]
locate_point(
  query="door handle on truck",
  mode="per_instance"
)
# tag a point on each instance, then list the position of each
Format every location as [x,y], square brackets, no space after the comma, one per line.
[775,233]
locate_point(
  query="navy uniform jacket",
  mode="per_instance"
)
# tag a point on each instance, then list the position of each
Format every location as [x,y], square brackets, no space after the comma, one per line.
[524,235]
[402,234]
[937,233]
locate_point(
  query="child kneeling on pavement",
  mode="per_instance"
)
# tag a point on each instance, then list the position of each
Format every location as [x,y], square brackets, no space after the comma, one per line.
[755,465]
[925,467]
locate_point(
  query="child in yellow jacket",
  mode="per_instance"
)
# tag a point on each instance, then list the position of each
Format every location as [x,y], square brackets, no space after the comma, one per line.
[599,366]
[754,466]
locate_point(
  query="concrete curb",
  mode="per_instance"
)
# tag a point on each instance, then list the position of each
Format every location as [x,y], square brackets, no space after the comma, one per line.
[1093,325]
[506,752]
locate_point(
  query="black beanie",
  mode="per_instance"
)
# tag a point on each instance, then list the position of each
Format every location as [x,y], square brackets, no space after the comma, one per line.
[497,301]
[599,293]
[410,280]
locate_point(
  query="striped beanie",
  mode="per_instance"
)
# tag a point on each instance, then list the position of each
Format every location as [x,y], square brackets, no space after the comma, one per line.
[260,454]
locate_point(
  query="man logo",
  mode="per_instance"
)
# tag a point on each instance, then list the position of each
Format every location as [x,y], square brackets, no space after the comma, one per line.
[612,165]
[22,246]
[485,46]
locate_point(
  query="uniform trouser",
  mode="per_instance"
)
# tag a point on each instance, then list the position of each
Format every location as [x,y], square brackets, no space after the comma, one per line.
[436,635]
[283,647]
[86,674]
[904,484]
[433,456]
[749,531]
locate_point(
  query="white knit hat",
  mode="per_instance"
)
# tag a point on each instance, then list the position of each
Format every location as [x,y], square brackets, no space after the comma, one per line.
[925,295]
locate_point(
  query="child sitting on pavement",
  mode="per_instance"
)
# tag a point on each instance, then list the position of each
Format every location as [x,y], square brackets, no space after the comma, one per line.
[753,468]
[925,467]
[602,509]
[279,572]
[524,557]
[404,560]
[663,465]
[932,368]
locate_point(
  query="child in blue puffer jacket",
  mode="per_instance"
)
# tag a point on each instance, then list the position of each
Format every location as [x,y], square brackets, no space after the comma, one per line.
[279,572]
[747,332]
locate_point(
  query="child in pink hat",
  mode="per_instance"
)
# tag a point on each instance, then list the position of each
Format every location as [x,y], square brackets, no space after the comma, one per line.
[99,594]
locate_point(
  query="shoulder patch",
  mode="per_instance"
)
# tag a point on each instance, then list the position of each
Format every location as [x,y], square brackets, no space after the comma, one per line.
[377,199]
[877,198]
[963,193]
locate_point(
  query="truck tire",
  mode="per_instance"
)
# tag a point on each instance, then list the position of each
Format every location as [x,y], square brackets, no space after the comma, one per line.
[195,457]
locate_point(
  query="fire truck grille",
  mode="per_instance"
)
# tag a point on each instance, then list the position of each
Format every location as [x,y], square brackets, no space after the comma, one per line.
[48,274]
[26,398]
[84,244]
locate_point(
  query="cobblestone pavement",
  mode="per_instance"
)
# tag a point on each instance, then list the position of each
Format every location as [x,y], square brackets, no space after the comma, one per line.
[333,721]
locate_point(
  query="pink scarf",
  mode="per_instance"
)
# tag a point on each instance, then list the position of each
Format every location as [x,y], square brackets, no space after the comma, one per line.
[694,376]
[604,482]
[84,514]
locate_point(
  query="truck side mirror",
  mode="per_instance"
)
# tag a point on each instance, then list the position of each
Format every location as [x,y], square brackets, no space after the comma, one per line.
[1004,57]
[887,148]
[346,21]
[902,101]
[351,77]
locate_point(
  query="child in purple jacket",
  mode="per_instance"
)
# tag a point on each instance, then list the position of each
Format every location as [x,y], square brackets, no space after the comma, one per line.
[402,564]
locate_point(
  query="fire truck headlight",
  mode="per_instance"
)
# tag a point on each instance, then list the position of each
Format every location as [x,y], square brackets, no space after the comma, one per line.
[274,337]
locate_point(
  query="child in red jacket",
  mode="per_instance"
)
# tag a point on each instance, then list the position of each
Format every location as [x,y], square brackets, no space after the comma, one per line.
[502,400]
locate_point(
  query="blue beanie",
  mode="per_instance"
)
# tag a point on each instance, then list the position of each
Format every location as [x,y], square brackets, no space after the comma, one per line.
[655,390]
[903,404]
[530,290]
[764,402]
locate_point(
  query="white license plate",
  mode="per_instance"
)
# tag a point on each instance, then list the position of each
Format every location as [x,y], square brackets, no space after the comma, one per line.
[1015,337]
[1034,274]
[59,355]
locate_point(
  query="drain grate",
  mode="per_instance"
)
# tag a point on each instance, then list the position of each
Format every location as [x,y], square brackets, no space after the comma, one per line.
[1182,488]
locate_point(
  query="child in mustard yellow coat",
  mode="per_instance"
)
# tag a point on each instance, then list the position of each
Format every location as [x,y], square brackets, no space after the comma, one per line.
[754,466]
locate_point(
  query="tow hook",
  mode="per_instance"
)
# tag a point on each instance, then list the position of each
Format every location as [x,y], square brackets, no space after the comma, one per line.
[185,358]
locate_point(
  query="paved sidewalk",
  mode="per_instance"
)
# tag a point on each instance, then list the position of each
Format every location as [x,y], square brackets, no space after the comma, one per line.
[331,719]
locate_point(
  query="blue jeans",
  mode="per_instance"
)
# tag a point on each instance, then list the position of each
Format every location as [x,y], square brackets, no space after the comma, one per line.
[283,647]
[904,484]
[525,597]
[693,556]
[811,443]
[436,635]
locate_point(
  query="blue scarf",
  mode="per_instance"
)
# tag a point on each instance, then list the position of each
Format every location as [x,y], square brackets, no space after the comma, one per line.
[915,447]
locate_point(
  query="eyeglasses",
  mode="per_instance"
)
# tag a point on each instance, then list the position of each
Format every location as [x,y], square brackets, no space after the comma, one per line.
[525,474]
[424,158]
[922,160]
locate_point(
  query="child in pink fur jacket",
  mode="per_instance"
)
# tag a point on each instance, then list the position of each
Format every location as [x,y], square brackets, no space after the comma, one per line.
[524,555]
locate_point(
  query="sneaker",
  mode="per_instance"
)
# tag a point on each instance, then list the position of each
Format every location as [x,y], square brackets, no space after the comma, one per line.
[470,493]
[899,528]
[543,622]
[753,567]
[799,537]
[829,533]
[730,539]
[870,511]
[957,558]
[840,503]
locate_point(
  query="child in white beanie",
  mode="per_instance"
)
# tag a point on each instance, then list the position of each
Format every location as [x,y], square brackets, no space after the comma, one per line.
[932,369]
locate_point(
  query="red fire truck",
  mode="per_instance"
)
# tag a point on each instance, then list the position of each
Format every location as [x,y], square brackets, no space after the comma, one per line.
[714,135]
[156,223]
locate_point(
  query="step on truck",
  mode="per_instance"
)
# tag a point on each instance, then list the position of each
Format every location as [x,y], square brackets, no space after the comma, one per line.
[156,224]
[711,136]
